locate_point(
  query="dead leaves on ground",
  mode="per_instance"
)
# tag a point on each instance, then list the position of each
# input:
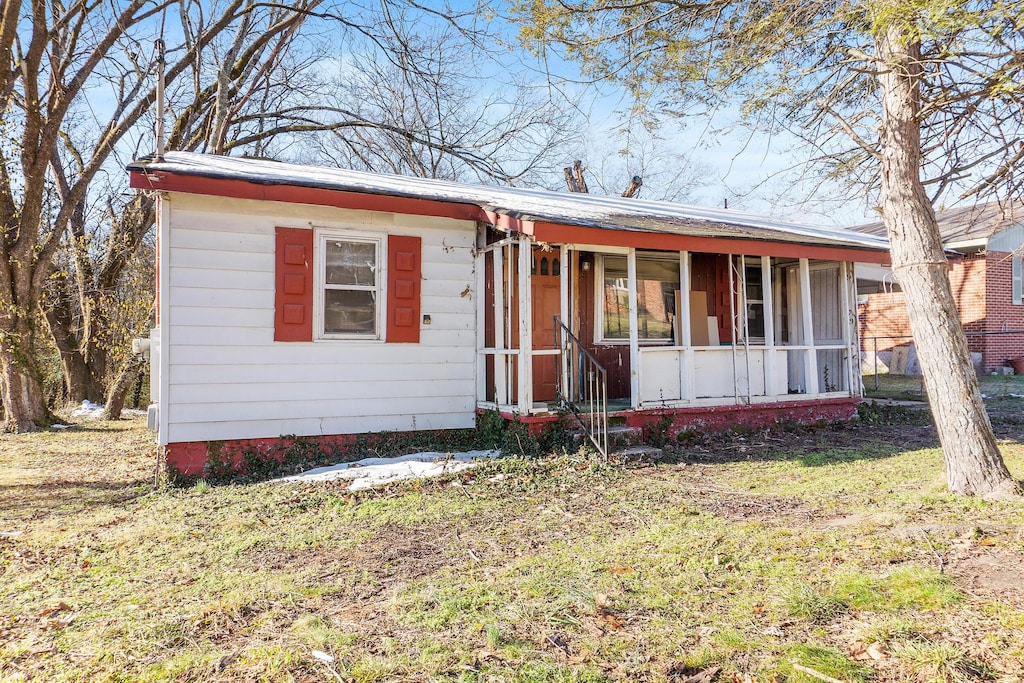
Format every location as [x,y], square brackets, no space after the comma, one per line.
[861,651]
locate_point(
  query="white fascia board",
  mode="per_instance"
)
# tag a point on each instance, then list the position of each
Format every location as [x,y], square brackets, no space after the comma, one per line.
[967,245]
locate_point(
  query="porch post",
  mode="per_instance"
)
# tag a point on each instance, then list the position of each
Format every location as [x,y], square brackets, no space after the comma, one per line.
[732,324]
[634,331]
[768,299]
[481,317]
[743,319]
[501,392]
[686,370]
[848,290]
[525,327]
[811,357]
[563,314]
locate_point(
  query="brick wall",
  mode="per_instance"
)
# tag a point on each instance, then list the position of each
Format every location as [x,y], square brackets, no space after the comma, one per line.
[1002,314]
[885,314]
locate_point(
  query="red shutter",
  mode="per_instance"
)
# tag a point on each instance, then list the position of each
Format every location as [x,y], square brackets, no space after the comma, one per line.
[293,285]
[403,289]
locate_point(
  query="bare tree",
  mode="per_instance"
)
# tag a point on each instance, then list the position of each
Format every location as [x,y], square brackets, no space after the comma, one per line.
[257,85]
[431,99]
[633,151]
[56,63]
[221,104]
[917,100]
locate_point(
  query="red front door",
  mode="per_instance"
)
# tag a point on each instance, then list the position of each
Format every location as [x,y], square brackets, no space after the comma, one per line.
[546,293]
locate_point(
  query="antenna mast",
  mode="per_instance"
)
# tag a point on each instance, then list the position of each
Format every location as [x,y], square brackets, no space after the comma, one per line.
[159,131]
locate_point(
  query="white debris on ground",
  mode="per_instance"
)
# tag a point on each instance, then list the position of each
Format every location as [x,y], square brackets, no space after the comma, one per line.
[370,472]
[93,411]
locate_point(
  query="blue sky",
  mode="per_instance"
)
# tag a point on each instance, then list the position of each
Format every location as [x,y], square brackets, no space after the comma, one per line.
[754,171]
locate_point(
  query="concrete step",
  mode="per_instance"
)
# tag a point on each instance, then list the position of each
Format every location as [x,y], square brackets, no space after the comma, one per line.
[624,436]
[637,454]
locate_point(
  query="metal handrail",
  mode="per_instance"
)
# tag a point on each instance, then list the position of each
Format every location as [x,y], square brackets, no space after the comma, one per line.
[585,395]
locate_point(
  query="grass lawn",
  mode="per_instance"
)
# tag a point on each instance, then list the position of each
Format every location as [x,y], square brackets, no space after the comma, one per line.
[908,387]
[782,556]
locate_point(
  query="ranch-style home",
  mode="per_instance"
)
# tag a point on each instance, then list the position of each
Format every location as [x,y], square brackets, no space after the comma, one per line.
[325,303]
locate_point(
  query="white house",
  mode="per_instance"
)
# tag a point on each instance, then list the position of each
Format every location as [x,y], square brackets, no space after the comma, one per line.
[324,303]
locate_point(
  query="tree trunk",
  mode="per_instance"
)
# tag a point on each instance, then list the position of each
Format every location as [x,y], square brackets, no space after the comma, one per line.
[120,387]
[23,397]
[973,463]
[82,379]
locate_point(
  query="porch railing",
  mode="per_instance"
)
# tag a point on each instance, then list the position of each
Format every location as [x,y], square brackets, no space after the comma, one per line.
[582,387]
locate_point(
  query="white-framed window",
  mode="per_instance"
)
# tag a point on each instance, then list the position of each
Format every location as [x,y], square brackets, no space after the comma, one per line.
[349,282]
[1017,278]
[657,280]
[754,297]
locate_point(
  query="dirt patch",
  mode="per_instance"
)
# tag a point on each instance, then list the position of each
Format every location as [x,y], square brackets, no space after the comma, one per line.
[783,444]
[989,573]
[396,554]
[733,507]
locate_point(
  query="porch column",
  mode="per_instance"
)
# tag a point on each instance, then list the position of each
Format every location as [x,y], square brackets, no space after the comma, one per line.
[848,291]
[563,314]
[687,383]
[811,356]
[502,396]
[481,316]
[768,305]
[634,331]
[525,327]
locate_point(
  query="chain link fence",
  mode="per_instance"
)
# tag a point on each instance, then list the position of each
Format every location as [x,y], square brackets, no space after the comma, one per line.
[890,368]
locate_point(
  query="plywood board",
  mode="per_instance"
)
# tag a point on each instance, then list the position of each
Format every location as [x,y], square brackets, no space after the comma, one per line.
[712,325]
[698,318]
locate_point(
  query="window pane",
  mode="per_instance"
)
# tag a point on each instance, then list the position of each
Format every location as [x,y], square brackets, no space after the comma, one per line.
[755,289]
[350,312]
[656,284]
[351,263]
[755,321]
[1016,279]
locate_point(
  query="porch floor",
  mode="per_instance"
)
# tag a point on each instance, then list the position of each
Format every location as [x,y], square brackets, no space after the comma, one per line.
[615,405]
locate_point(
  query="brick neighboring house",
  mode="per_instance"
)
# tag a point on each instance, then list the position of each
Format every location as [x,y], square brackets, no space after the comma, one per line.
[984,247]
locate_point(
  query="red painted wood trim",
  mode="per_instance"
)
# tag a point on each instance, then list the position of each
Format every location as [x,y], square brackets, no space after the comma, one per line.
[404,276]
[555,233]
[293,194]
[293,285]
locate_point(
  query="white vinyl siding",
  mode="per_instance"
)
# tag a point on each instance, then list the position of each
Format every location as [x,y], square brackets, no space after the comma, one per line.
[227,377]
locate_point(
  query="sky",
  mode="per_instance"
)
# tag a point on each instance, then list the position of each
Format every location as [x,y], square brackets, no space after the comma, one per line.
[706,161]
[752,171]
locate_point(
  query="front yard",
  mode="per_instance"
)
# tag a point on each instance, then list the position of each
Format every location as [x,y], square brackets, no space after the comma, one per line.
[790,555]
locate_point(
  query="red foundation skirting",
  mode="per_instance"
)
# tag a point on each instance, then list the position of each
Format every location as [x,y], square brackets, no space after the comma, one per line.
[721,418]
[201,458]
